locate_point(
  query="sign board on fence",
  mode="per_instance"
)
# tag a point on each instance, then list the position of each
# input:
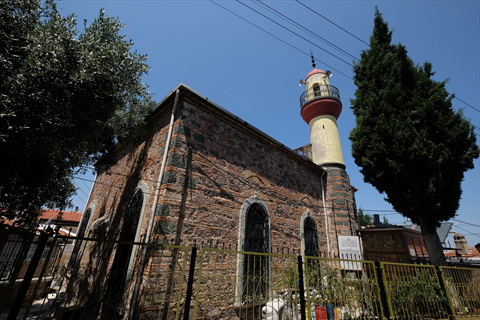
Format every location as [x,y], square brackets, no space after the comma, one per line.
[349,248]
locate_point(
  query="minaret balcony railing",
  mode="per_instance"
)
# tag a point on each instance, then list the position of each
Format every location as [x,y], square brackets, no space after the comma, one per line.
[319,92]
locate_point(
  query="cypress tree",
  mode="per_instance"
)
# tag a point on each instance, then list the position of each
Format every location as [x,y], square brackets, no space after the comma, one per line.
[408,140]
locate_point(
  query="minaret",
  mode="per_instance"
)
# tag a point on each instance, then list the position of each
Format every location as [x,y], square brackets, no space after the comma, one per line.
[320,108]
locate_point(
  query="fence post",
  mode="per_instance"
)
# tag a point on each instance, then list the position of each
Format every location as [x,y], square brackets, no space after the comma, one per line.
[301,288]
[22,291]
[383,293]
[191,275]
[440,278]
[40,276]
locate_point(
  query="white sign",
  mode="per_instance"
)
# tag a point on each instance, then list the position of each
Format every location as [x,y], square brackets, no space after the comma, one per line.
[349,249]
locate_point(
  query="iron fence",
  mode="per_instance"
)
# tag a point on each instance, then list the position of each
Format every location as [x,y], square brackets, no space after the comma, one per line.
[342,289]
[224,283]
[246,285]
[414,291]
[15,248]
[463,290]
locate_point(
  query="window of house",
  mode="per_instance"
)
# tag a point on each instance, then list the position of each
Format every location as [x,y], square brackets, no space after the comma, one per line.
[412,252]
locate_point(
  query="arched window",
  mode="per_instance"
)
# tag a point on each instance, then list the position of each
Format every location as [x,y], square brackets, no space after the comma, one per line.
[255,267]
[311,237]
[123,253]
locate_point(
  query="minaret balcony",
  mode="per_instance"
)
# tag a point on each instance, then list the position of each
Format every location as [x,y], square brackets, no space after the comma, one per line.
[322,91]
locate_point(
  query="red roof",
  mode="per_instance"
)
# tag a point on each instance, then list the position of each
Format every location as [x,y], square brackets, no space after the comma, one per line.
[75,216]
[314,71]
[473,253]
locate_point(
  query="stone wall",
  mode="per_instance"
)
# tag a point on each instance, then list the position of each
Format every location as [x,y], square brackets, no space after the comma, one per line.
[340,203]
[385,246]
[216,165]
[230,163]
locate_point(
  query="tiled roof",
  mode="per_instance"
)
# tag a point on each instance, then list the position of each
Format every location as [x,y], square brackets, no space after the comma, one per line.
[74,216]
[473,253]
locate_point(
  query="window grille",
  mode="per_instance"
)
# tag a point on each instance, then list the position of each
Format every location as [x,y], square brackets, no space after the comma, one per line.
[311,237]
[255,267]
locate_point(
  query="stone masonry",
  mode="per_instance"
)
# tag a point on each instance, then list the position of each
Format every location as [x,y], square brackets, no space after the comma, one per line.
[231,162]
[224,165]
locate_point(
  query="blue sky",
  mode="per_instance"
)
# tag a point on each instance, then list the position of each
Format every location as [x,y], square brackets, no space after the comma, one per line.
[255,76]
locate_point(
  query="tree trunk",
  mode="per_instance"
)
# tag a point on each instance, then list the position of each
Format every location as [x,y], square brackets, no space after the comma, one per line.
[432,242]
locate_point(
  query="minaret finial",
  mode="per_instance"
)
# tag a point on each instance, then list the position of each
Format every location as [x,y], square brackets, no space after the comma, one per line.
[313,59]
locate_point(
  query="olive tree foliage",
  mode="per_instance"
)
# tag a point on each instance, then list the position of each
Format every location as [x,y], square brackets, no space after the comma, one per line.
[67,99]
[408,141]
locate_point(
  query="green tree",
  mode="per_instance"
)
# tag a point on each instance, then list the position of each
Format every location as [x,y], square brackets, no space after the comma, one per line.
[385,220]
[409,142]
[364,219]
[67,99]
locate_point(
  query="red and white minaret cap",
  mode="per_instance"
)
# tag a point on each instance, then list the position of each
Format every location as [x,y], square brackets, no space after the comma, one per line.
[314,71]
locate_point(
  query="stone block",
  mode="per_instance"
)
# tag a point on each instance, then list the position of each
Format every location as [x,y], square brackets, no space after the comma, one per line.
[336,194]
[169,177]
[192,182]
[176,160]
[182,129]
[163,209]
[176,143]
[196,124]
[165,227]
[199,137]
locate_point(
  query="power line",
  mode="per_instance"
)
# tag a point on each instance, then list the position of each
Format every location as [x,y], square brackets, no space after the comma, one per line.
[467,104]
[85,184]
[407,90]
[80,190]
[279,24]
[279,39]
[475,225]
[467,232]
[464,102]
[332,22]
[309,31]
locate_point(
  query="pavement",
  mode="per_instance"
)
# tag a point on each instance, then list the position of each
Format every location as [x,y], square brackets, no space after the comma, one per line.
[38,306]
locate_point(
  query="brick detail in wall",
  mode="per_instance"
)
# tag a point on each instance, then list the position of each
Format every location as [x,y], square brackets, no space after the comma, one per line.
[230,163]
[340,200]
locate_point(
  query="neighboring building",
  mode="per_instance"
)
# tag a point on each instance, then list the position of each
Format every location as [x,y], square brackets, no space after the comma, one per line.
[68,222]
[463,255]
[13,241]
[392,243]
[443,231]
